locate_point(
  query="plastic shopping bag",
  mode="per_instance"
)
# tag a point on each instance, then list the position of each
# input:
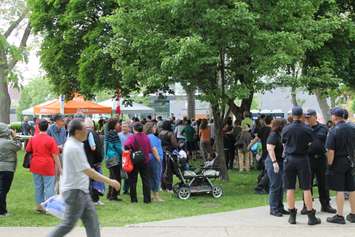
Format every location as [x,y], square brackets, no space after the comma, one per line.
[127,164]
[55,206]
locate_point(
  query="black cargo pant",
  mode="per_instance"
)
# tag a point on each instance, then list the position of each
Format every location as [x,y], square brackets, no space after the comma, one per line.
[6,178]
[318,168]
[142,169]
[167,178]
[115,173]
[229,155]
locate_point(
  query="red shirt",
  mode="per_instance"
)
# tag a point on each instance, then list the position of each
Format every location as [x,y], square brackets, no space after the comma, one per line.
[36,129]
[43,147]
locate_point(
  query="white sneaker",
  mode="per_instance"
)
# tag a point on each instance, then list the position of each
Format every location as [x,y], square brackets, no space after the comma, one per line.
[4,215]
[99,203]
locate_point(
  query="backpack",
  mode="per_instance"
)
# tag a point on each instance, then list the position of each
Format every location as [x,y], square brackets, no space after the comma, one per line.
[94,157]
[99,147]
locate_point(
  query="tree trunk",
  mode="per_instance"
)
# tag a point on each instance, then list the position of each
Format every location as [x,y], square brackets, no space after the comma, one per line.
[218,128]
[294,96]
[323,104]
[191,103]
[7,66]
[5,101]
[244,106]
[332,101]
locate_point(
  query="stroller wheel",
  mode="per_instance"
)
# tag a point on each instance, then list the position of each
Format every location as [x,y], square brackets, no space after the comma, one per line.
[217,191]
[184,193]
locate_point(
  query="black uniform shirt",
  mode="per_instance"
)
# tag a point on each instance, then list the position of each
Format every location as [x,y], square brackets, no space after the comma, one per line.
[317,147]
[340,139]
[297,138]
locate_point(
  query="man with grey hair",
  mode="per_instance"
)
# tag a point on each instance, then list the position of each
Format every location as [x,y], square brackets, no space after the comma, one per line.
[75,184]
[58,132]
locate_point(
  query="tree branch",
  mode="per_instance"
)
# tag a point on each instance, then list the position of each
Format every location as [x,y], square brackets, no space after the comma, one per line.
[25,36]
[13,26]
[227,114]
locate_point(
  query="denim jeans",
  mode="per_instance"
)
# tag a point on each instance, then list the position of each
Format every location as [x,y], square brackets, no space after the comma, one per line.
[276,186]
[44,187]
[155,174]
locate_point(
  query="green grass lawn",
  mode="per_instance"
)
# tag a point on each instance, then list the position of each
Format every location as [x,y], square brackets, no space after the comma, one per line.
[238,194]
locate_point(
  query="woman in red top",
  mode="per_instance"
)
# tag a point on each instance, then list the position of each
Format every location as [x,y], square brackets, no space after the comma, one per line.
[44,164]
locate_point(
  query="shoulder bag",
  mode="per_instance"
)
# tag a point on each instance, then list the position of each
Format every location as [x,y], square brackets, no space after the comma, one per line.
[138,155]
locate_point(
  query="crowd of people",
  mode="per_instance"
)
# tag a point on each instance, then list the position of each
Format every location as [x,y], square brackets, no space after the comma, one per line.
[283,150]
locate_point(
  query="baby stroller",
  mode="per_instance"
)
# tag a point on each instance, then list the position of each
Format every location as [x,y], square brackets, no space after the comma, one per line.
[193,182]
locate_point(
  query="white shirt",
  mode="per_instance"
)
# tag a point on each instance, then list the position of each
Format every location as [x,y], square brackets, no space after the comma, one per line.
[74,163]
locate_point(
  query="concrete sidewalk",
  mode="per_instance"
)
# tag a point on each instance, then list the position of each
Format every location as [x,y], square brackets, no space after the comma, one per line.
[248,222]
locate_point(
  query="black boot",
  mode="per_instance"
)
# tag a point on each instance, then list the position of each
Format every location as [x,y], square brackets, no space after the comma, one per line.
[327,208]
[351,218]
[336,219]
[304,210]
[284,212]
[312,219]
[292,218]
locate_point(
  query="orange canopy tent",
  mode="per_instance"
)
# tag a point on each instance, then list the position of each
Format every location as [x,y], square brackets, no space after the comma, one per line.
[76,105]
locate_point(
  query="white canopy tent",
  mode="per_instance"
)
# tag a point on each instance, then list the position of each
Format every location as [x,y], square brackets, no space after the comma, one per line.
[132,110]
[28,112]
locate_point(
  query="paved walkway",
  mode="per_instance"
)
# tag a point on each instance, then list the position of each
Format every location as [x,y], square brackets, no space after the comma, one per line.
[248,222]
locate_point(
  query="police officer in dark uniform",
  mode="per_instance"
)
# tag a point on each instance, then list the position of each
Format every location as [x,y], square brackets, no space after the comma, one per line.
[346,118]
[297,138]
[318,160]
[340,145]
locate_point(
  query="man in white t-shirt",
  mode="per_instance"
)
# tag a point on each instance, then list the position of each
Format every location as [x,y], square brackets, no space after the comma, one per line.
[75,185]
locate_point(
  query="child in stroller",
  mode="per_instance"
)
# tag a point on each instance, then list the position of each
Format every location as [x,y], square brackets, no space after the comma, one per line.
[198,181]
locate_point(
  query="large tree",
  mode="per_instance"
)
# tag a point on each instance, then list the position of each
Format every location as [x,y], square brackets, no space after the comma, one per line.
[13,20]
[222,48]
[74,49]
[227,49]
[329,69]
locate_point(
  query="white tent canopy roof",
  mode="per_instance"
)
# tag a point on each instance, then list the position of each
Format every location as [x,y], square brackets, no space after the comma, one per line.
[28,112]
[135,108]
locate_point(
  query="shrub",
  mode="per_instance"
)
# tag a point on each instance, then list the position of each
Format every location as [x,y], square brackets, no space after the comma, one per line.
[15,126]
